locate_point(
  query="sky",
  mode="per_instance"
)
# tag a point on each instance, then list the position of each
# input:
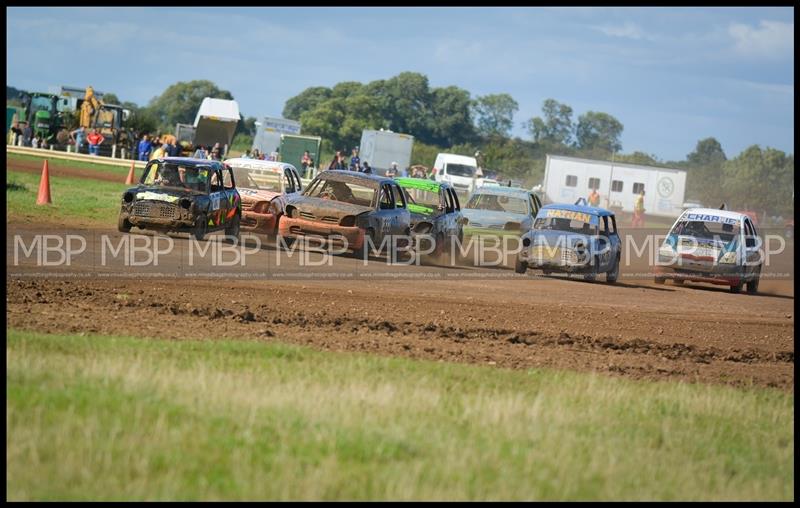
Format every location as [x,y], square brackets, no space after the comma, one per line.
[672,76]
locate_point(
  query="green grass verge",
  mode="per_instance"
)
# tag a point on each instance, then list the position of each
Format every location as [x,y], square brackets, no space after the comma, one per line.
[79,199]
[123,418]
[105,168]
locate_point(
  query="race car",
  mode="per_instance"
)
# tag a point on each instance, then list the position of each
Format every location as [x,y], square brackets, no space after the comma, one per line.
[493,211]
[435,214]
[263,186]
[716,246]
[177,194]
[572,239]
[359,212]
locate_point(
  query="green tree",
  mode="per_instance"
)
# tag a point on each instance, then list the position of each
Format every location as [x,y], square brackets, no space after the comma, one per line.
[325,120]
[761,180]
[307,100]
[179,103]
[641,158]
[494,114]
[704,171]
[405,102]
[451,116]
[111,98]
[556,127]
[598,130]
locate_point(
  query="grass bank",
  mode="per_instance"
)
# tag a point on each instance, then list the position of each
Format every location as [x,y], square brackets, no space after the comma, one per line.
[78,200]
[105,168]
[124,418]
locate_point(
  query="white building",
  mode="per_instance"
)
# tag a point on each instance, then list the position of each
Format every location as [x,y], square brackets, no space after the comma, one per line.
[568,178]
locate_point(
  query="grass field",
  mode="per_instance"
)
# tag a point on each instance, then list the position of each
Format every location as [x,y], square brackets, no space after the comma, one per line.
[74,199]
[106,168]
[122,418]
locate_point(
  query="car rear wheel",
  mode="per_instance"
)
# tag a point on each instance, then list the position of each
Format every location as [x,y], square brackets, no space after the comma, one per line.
[232,229]
[363,252]
[200,228]
[611,277]
[124,225]
[752,284]
[678,282]
[659,280]
[737,288]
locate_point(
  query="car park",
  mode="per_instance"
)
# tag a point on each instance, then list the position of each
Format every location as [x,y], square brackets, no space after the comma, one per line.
[263,186]
[177,194]
[435,214]
[572,239]
[493,211]
[715,246]
[350,210]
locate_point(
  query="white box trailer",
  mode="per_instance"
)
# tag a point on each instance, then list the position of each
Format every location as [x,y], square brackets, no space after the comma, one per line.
[381,148]
[269,131]
[568,178]
[216,122]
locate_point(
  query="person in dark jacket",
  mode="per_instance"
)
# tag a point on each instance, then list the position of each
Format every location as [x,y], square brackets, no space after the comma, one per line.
[365,168]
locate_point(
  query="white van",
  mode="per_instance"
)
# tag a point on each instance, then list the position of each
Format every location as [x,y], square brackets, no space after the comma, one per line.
[457,170]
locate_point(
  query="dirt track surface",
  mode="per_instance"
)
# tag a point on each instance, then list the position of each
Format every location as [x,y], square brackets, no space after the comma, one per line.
[489,316]
[634,329]
[62,169]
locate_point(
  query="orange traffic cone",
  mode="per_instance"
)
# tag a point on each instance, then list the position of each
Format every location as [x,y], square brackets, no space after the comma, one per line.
[131,176]
[44,187]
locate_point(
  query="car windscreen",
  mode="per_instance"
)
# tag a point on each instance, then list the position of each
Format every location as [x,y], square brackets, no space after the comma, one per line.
[422,201]
[567,221]
[180,176]
[461,170]
[257,178]
[707,230]
[345,191]
[497,203]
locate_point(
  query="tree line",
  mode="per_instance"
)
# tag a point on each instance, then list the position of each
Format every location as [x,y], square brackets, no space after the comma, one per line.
[450,119]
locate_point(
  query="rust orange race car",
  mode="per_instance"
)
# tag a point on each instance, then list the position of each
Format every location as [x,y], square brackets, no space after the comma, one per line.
[359,212]
[263,186]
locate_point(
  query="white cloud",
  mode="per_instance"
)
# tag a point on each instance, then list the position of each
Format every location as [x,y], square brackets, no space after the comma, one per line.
[627,30]
[772,39]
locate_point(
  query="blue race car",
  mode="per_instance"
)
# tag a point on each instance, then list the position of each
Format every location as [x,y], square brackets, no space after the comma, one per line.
[495,211]
[570,239]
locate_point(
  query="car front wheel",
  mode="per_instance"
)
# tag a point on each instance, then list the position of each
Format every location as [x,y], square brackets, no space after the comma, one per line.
[520,266]
[752,284]
[124,225]
[611,277]
[232,229]
[200,228]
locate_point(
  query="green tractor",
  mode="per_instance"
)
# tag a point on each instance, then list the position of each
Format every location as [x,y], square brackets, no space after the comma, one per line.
[40,111]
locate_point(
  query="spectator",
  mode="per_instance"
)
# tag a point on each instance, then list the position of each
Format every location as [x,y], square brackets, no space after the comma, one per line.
[305,162]
[392,171]
[355,160]
[200,152]
[95,139]
[43,143]
[35,141]
[365,168]
[256,154]
[16,133]
[338,161]
[215,153]
[144,148]
[78,136]
[160,152]
[246,155]
[27,135]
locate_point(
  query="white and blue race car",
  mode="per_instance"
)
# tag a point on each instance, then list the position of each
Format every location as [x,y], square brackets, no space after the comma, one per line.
[715,246]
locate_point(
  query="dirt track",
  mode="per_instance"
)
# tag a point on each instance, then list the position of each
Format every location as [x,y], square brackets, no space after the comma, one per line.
[634,329]
[478,315]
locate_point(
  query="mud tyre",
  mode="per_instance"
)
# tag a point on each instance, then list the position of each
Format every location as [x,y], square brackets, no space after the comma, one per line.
[232,230]
[200,228]
[123,224]
[752,284]
[520,266]
[613,275]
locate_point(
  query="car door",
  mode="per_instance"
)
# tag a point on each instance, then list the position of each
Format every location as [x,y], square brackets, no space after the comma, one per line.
[448,218]
[232,198]
[457,215]
[401,220]
[751,248]
[218,206]
[385,213]
[535,205]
